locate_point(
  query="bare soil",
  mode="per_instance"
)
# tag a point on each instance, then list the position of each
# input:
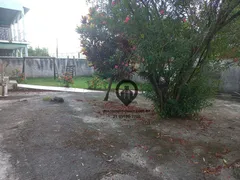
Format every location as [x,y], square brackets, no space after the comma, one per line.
[83,138]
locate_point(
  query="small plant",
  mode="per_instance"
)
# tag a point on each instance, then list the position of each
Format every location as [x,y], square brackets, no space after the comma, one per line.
[97,83]
[47,98]
[67,79]
[104,84]
[94,83]
[20,77]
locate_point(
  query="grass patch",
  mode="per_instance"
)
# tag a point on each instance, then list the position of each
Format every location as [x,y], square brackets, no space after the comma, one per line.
[79,82]
[47,98]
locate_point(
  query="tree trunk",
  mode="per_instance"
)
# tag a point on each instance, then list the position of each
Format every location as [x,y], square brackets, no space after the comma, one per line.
[109,89]
[157,91]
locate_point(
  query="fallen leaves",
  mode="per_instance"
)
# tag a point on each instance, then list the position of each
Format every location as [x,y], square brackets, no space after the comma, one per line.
[171,139]
[213,171]
[224,152]
[182,141]
[218,169]
[205,123]
[218,155]
[79,100]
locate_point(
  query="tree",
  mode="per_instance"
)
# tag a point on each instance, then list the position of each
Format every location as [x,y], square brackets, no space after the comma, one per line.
[38,51]
[176,39]
[107,51]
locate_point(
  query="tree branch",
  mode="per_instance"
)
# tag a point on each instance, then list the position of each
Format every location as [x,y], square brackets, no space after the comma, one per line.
[237,14]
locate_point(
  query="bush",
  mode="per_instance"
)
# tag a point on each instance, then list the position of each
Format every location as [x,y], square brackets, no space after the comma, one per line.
[66,79]
[193,98]
[97,83]
[20,77]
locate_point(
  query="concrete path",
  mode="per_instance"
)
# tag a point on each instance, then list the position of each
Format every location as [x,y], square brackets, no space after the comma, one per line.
[52,88]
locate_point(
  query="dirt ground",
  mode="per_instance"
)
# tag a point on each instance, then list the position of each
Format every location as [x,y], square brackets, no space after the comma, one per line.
[83,138]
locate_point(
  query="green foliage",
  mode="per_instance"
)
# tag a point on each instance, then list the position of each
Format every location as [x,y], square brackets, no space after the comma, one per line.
[66,79]
[194,97]
[38,51]
[173,42]
[97,83]
[47,98]
[108,52]
[20,78]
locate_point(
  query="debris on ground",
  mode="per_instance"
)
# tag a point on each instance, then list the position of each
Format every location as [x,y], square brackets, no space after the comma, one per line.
[57,100]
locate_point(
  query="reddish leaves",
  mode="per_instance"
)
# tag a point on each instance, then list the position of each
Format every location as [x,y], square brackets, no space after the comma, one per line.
[182,141]
[221,154]
[213,171]
[79,100]
[218,155]
[205,123]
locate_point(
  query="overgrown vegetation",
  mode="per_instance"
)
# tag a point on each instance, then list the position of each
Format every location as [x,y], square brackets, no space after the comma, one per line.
[107,51]
[175,45]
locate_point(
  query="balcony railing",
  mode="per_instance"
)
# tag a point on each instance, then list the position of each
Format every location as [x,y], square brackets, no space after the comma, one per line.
[6,35]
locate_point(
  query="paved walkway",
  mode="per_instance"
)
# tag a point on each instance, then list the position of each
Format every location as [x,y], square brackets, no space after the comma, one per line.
[52,88]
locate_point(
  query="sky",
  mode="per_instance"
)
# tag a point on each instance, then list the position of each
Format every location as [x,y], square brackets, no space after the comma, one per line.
[49,20]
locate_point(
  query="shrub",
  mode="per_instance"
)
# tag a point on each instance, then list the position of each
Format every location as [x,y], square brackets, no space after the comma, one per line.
[97,83]
[20,77]
[47,98]
[66,79]
[193,98]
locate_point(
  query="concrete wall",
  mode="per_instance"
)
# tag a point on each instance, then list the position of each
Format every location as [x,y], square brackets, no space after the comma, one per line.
[44,67]
[138,79]
[230,80]
[10,64]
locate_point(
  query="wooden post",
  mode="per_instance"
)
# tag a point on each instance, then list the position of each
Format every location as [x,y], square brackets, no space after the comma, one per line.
[54,68]
[24,67]
[2,77]
[67,60]
[56,48]
[75,66]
